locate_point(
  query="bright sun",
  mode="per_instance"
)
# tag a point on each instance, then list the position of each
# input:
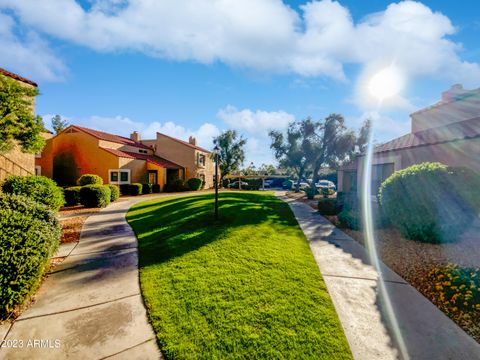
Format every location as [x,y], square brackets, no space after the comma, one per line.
[386,83]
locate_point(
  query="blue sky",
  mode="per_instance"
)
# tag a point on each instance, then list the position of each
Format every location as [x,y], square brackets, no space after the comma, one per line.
[199,67]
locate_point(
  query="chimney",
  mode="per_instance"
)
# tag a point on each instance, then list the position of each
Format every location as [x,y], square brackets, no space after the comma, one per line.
[192,141]
[453,93]
[135,136]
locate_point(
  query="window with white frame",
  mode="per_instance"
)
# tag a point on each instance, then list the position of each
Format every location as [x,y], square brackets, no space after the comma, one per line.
[119,176]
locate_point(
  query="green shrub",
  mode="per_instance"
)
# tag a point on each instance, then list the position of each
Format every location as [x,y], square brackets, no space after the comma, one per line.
[311,192]
[194,184]
[135,189]
[328,206]
[156,188]
[114,192]
[29,236]
[125,189]
[38,188]
[176,185]
[350,218]
[146,188]
[424,202]
[72,195]
[89,179]
[288,185]
[95,196]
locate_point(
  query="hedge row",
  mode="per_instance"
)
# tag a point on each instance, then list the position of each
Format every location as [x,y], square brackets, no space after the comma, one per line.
[29,236]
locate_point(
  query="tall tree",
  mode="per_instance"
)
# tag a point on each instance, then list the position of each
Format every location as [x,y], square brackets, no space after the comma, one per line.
[18,124]
[232,153]
[290,149]
[58,124]
[330,143]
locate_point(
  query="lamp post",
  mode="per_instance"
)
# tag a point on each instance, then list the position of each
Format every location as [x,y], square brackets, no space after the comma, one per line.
[216,151]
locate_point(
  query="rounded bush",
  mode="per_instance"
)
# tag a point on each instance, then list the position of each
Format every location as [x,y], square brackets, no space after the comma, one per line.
[311,192]
[424,202]
[350,218]
[114,192]
[37,188]
[125,189]
[195,184]
[177,185]
[328,206]
[72,195]
[156,188]
[29,236]
[90,179]
[95,196]
[146,188]
[135,189]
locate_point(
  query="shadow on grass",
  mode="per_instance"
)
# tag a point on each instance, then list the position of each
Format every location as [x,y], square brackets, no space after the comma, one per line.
[169,228]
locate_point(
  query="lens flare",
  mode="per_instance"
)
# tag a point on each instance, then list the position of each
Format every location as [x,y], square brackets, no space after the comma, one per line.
[386,83]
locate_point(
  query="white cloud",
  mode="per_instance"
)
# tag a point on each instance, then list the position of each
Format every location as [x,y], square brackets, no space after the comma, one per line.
[265,35]
[124,126]
[27,54]
[257,122]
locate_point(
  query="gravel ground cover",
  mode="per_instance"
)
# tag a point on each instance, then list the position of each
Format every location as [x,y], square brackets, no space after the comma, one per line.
[415,261]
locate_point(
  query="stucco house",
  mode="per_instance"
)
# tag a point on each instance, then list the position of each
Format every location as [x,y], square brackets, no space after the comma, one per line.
[446,132]
[194,159]
[118,160]
[16,162]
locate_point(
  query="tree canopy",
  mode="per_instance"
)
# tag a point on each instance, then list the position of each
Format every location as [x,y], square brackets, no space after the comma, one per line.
[232,153]
[58,124]
[312,145]
[18,124]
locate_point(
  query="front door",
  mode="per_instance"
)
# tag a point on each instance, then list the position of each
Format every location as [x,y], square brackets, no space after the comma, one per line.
[152,177]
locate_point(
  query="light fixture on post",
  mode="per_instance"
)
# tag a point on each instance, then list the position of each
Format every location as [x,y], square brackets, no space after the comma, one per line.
[216,152]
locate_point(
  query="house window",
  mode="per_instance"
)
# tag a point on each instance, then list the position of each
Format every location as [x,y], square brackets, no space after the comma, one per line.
[380,173]
[118,176]
[201,160]
[143,151]
[38,170]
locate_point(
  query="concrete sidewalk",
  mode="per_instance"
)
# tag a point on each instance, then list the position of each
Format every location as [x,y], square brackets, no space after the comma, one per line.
[91,302]
[354,286]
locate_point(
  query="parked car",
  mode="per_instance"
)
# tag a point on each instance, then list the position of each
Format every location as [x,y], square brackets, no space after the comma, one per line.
[236,184]
[325,184]
[303,185]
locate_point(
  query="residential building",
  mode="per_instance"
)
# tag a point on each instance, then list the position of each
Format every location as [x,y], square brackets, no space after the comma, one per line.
[195,159]
[446,132]
[116,159]
[16,162]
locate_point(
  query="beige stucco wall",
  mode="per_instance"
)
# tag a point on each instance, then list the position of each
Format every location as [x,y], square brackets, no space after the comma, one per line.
[184,156]
[455,153]
[122,147]
[16,162]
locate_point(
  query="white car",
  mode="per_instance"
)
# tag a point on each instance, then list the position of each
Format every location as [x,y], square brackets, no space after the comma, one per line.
[325,184]
[303,185]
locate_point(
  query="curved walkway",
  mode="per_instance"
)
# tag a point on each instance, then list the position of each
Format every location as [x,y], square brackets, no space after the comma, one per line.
[356,290]
[91,303]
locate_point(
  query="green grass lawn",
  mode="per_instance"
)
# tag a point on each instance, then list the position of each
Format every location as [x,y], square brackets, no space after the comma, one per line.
[245,287]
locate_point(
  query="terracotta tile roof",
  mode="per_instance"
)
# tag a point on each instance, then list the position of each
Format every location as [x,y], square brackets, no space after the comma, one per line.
[149,158]
[457,131]
[185,143]
[110,137]
[17,77]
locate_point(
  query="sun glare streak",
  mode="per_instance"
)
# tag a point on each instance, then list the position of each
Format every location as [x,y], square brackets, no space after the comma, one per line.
[385,83]
[369,232]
